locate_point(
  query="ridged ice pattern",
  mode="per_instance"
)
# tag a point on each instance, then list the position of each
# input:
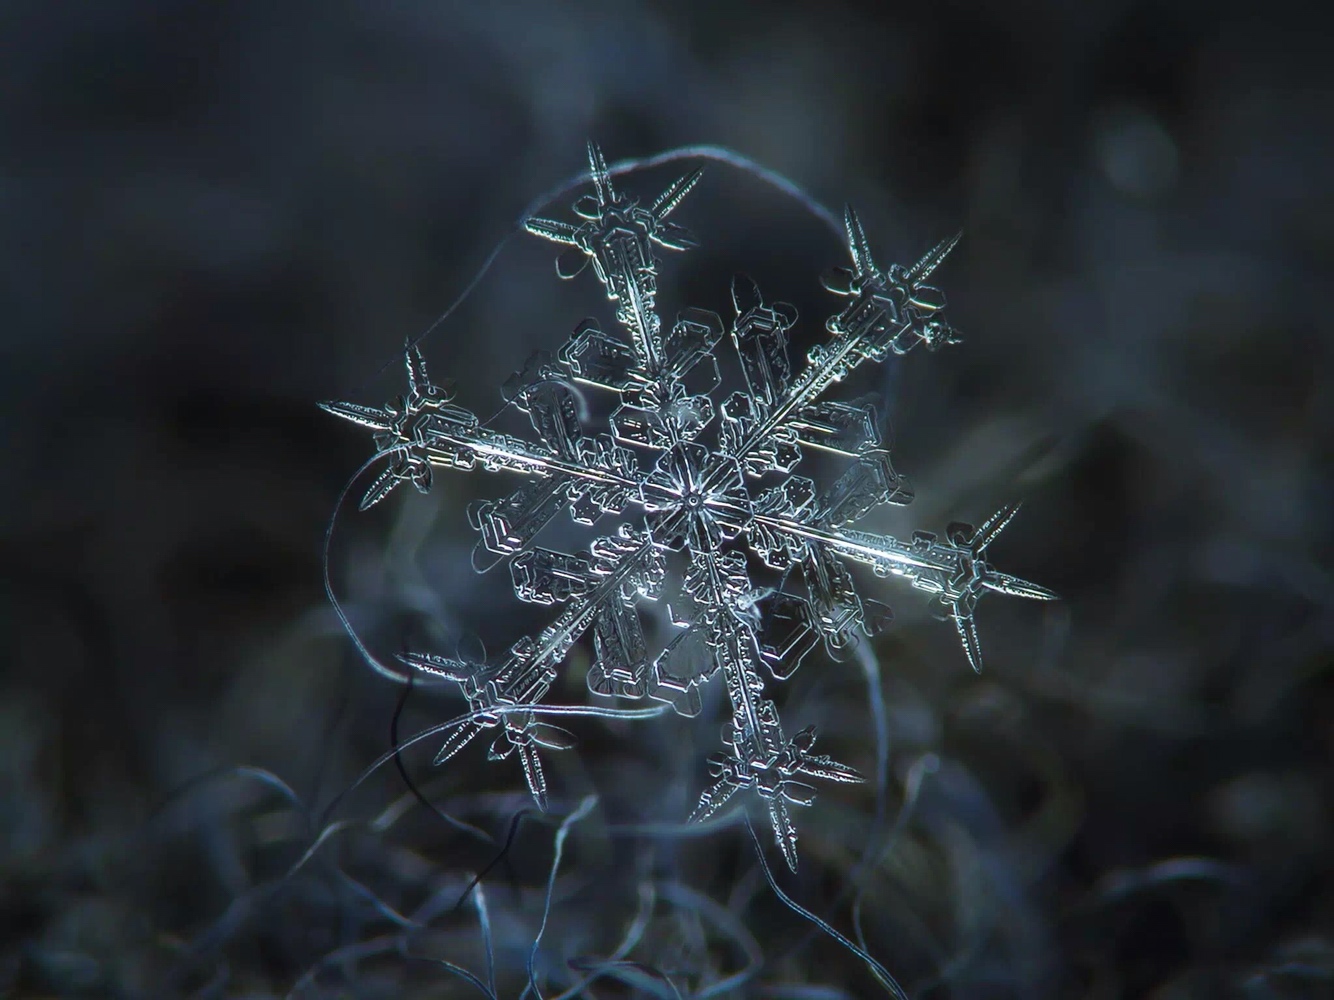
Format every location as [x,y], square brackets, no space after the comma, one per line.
[712,496]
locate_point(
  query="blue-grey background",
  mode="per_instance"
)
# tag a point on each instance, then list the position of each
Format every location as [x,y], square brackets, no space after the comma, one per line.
[214,215]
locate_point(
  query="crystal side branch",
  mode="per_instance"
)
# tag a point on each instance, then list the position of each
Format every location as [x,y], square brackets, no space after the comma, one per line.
[713,497]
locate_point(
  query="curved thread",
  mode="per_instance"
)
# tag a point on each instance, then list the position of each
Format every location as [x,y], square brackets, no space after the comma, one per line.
[366,654]
[881,974]
[706,151]
[430,806]
[599,711]
[585,807]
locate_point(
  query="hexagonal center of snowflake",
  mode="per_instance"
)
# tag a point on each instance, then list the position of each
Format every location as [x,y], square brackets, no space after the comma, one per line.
[695,497]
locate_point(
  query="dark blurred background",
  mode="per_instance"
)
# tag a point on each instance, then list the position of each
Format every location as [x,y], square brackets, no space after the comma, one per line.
[214,215]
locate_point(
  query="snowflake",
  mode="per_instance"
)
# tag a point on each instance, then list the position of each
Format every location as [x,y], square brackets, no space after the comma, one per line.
[708,501]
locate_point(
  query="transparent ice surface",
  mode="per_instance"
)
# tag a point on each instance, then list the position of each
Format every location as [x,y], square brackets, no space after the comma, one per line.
[675,492]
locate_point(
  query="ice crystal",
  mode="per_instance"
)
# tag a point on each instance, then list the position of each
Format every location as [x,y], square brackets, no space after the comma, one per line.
[713,497]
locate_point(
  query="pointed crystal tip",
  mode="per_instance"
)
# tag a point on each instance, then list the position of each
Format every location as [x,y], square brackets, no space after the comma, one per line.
[931,260]
[858,246]
[364,416]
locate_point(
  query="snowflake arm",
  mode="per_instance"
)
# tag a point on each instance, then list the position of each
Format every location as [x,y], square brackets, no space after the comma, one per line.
[891,310]
[953,570]
[617,236]
[758,756]
[615,572]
